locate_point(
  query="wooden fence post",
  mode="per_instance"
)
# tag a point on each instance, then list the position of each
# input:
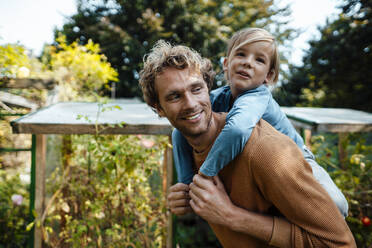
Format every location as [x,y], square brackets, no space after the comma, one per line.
[167,182]
[342,145]
[39,187]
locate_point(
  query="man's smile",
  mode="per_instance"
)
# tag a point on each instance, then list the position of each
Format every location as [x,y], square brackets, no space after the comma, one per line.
[192,116]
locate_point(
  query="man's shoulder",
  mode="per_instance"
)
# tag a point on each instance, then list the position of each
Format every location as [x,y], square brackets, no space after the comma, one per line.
[268,141]
[263,130]
[271,153]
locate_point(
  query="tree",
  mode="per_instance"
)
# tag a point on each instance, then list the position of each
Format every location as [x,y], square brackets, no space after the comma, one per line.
[337,68]
[12,58]
[126,30]
[80,70]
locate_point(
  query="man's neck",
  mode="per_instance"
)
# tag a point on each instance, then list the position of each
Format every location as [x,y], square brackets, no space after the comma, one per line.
[202,142]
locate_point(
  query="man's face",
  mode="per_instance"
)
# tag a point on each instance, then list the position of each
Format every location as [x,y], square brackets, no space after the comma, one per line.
[184,100]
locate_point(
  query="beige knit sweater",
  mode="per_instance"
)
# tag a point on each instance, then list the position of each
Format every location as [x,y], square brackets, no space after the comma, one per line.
[272,177]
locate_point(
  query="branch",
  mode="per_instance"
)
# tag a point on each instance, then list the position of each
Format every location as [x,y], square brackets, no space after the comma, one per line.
[23,83]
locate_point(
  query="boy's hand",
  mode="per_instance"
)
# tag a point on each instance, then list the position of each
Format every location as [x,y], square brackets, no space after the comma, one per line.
[179,199]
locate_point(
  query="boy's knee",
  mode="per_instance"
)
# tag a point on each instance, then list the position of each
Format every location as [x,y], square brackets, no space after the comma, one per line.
[341,203]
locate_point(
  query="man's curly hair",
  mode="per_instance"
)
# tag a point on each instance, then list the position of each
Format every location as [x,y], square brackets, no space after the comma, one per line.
[163,55]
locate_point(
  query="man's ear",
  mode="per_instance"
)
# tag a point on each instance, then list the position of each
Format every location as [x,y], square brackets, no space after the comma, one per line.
[270,77]
[159,110]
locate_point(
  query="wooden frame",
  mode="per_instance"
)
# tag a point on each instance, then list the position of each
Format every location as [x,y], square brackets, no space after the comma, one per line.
[137,118]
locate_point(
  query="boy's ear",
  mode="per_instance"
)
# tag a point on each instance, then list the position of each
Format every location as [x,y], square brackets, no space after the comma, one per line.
[225,64]
[270,77]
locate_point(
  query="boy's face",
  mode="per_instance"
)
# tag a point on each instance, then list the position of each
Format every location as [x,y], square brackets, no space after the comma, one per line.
[249,66]
[184,100]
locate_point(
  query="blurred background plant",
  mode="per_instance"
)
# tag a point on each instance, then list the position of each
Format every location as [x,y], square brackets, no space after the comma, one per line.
[353,176]
[14,211]
[336,69]
[126,30]
[102,191]
[107,193]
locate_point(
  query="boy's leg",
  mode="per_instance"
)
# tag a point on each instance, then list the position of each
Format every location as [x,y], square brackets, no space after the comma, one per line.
[326,181]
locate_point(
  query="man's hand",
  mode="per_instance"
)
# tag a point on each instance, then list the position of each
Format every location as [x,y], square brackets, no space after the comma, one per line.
[210,200]
[179,199]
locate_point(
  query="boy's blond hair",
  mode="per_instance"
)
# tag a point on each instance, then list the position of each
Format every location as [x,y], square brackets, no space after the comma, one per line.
[163,55]
[250,35]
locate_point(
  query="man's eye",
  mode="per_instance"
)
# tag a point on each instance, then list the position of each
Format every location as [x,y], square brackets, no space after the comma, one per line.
[197,89]
[173,97]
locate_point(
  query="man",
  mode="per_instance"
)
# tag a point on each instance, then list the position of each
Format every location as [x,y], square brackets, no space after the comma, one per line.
[271,197]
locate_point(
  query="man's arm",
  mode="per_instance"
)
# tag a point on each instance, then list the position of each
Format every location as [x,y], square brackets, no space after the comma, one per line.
[210,201]
[286,179]
[311,219]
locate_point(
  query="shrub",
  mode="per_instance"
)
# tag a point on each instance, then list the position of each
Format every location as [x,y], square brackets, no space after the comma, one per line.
[107,193]
[354,177]
[14,210]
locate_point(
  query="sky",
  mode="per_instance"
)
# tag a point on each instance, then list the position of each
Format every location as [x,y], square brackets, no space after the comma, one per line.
[31,22]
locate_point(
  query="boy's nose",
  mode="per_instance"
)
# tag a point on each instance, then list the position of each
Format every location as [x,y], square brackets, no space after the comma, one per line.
[247,61]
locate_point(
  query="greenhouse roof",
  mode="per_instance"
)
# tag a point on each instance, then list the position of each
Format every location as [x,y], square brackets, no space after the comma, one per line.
[134,117]
[118,117]
[336,120]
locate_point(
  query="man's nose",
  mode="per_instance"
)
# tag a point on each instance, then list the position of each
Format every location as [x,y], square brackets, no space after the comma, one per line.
[189,100]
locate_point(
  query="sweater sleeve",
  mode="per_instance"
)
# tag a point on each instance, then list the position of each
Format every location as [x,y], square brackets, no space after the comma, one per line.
[247,110]
[311,219]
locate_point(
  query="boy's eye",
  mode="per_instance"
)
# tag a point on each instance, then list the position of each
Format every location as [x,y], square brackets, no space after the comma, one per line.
[240,54]
[261,60]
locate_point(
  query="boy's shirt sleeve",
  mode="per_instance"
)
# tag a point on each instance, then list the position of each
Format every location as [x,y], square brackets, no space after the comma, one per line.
[220,99]
[247,110]
[182,156]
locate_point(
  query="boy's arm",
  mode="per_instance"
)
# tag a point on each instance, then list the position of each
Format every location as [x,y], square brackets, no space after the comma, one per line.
[247,110]
[182,155]
[310,219]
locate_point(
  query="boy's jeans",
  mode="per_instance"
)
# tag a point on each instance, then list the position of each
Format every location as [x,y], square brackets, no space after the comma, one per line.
[326,181]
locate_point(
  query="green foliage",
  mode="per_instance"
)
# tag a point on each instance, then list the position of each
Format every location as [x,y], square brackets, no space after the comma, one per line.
[108,193]
[192,231]
[353,177]
[337,68]
[98,199]
[80,69]
[13,216]
[12,58]
[126,30]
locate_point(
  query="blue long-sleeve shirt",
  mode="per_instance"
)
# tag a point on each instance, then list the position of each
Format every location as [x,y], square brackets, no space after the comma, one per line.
[243,116]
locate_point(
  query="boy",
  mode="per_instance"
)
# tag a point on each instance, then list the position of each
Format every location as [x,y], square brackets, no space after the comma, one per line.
[252,62]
